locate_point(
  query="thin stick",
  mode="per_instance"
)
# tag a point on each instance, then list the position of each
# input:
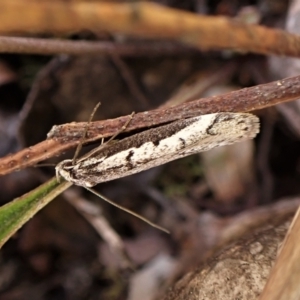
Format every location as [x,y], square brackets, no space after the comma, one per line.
[93,214]
[127,210]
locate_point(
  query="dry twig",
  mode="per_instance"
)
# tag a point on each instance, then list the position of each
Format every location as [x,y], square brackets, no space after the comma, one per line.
[147,20]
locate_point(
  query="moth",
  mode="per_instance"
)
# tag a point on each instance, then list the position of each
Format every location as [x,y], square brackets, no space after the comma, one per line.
[157,146]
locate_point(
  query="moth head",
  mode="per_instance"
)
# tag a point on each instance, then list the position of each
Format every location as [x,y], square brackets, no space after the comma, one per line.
[63,170]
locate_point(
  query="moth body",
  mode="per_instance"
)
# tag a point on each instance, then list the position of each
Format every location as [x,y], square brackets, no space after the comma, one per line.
[158,146]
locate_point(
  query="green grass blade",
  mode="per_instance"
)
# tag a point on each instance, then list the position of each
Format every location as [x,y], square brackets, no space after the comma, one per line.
[16,213]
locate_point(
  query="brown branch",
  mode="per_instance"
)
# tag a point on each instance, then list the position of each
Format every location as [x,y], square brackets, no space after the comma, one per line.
[50,46]
[247,99]
[144,19]
[64,137]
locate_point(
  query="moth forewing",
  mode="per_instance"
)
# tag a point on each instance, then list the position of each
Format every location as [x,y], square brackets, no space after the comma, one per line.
[158,146]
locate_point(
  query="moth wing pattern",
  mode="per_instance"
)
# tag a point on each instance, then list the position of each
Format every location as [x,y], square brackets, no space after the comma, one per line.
[160,145]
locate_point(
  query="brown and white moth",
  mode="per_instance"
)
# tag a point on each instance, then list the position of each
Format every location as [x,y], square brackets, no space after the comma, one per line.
[158,146]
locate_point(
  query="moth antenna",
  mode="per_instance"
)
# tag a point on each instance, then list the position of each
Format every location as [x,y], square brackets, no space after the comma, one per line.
[79,147]
[128,210]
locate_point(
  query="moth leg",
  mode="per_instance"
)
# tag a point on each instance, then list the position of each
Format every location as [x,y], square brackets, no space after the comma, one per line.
[79,147]
[122,129]
[108,143]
